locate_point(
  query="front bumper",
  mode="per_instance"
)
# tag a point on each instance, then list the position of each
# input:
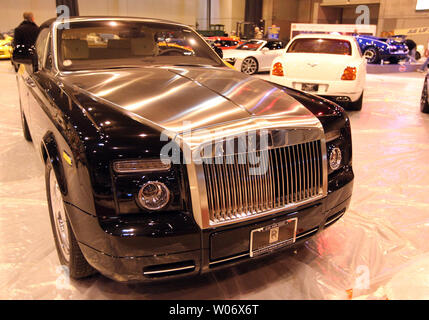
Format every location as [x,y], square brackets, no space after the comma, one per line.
[350,89]
[197,251]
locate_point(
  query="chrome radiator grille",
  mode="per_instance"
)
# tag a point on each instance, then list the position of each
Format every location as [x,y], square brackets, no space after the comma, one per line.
[288,176]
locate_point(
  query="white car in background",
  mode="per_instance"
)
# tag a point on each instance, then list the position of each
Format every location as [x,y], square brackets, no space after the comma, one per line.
[331,66]
[254,55]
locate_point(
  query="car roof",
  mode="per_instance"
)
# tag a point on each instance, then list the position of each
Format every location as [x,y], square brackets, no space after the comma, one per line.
[324,36]
[49,22]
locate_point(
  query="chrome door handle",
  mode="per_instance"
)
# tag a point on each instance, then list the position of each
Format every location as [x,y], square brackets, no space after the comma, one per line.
[30,82]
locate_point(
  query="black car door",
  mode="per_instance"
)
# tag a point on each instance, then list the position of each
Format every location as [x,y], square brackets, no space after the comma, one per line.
[37,100]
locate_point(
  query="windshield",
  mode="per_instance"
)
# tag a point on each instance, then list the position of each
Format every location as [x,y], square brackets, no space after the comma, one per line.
[115,44]
[251,45]
[318,45]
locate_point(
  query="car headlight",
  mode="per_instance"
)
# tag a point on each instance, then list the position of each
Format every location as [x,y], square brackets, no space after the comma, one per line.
[154,196]
[335,158]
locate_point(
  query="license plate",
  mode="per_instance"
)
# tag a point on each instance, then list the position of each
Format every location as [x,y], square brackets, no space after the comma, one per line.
[309,87]
[269,238]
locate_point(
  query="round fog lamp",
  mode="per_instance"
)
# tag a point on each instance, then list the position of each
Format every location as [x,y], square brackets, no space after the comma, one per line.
[335,158]
[154,196]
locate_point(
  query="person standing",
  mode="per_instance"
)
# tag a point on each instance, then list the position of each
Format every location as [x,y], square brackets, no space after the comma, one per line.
[412,47]
[258,33]
[26,33]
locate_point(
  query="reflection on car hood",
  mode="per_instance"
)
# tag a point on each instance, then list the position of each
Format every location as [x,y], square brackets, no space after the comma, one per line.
[188,98]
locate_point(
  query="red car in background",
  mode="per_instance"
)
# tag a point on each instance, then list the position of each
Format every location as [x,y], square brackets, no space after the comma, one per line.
[224,43]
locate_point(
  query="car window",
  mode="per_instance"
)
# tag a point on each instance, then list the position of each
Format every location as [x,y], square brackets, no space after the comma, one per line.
[274,45]
[226,43]
[113,44]
[48,60]
[320,45]
[251,45]
[41,46]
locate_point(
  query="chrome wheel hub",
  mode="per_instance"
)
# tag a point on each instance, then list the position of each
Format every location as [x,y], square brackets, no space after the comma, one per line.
[249,66]
[369,54]
[59,215]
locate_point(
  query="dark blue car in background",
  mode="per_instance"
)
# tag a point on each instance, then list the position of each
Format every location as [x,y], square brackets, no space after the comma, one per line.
[377,49]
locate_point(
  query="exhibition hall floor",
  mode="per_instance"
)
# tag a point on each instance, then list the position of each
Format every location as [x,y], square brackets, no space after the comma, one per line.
[378,250]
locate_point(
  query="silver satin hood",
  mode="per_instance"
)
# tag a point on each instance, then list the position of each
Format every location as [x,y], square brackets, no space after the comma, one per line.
[183,99]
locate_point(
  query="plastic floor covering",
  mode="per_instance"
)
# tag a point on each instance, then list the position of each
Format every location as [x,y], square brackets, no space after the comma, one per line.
[378,250]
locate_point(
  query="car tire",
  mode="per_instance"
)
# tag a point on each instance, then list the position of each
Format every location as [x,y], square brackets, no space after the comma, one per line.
[249,66]
[424,104]
[25,129]
[372,55]
[66,244]
[356,105]
[418,56]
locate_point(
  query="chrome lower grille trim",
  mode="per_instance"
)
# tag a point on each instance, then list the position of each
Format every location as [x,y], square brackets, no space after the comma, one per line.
[335,218]
[247,255]
[289,176]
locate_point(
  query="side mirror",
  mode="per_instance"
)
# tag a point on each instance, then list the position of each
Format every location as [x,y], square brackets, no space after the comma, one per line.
[25,55]
[265,49]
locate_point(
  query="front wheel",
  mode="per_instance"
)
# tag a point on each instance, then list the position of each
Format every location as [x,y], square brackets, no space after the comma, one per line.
[66,244]
[418,56]
[372,55]
[424,104]
[249,66]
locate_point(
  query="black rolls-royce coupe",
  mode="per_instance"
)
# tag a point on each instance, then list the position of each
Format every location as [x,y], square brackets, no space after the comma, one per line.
[162,162]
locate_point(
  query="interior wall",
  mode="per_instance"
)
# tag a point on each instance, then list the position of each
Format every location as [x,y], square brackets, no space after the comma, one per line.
[183,11]
[267,12]
[12,11]
[329,15]
[285,12]
[226,12]
[349,14]
[405,14]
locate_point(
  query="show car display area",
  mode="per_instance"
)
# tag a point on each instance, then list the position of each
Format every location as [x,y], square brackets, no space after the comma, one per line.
[382,236]
[214,151]
[124,201]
